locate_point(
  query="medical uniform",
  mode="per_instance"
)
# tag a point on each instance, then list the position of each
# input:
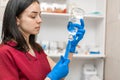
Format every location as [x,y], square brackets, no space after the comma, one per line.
[16,65]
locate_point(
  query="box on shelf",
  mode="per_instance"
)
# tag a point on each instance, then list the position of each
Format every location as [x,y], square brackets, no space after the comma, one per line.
[53,7]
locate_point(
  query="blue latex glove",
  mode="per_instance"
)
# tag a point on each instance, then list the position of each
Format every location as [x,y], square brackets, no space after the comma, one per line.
[60,70]
[71,46]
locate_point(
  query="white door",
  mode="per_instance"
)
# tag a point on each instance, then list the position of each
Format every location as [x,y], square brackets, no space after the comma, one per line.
[112,62]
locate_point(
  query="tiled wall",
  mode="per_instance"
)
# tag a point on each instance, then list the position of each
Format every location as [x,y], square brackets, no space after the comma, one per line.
[1,18]
[2,8]
[1,13]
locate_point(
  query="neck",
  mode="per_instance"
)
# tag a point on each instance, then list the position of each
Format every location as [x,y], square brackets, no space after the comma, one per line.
[31,51]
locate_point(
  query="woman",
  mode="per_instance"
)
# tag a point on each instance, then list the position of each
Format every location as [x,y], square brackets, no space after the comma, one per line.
[21,58]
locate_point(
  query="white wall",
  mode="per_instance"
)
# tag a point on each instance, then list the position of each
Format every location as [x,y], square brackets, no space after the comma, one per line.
[112,63]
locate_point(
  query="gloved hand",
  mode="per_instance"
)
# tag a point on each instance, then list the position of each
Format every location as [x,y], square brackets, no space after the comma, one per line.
[77,37]
[60,70]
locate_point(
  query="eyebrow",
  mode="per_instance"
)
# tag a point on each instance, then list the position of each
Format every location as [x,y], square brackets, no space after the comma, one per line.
[35,12]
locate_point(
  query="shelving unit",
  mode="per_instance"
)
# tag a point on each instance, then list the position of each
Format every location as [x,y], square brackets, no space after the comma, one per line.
[54,28]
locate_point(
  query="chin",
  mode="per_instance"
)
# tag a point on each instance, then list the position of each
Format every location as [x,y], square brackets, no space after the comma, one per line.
[35,33]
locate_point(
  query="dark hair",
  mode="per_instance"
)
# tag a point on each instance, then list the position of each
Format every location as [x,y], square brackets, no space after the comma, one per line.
[9,27]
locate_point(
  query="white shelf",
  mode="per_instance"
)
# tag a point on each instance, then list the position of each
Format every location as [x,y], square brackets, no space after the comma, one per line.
[95,19]
[54,14]
[92,56]
[96,16]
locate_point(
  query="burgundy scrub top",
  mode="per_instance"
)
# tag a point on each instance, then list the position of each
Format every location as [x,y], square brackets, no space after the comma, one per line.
[16,65]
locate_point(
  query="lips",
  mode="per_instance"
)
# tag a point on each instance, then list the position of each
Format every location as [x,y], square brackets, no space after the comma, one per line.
[37,27]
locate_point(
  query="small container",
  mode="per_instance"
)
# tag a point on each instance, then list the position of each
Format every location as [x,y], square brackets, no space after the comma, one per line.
[75,16]
[89,70]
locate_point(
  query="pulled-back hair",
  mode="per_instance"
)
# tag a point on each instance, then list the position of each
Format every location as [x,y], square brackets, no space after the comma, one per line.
[10,29]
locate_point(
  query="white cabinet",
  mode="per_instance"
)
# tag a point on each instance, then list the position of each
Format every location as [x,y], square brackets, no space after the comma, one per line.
[54,28]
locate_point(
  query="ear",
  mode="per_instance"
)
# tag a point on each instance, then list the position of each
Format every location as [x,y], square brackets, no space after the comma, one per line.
[17,21]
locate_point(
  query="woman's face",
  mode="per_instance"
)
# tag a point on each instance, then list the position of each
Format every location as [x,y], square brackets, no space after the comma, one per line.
[29,21]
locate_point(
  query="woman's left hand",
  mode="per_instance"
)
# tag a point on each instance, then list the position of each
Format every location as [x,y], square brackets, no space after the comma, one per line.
[60,70]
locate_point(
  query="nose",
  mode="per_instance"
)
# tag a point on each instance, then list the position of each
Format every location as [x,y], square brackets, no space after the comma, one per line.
[39,19]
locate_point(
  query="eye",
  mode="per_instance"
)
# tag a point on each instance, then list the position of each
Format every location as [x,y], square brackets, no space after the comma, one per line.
[33,16]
